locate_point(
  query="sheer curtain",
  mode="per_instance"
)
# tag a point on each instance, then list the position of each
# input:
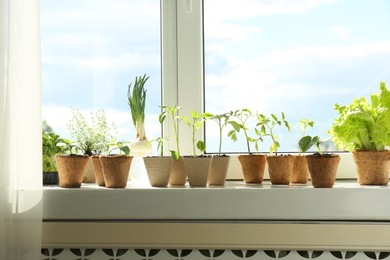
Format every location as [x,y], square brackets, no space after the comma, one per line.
[20,131]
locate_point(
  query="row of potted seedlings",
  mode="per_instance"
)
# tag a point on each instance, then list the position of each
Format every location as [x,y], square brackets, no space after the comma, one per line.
[362,127]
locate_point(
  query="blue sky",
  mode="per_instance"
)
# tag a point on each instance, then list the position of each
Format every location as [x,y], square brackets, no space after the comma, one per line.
[91,51]
[299,57]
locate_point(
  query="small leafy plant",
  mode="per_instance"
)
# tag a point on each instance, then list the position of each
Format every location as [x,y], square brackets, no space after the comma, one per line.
[90,139]
[242,117]
[160,140]
[118,145]
[195,122]
[306,142]
[222,120]
[362,125]
[51,145]
[173,112]
[267,125]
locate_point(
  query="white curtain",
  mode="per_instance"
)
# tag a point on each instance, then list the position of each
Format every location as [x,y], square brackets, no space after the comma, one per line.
[20,131]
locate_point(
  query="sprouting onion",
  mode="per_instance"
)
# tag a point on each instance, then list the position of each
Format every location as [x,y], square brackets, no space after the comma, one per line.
[136,96]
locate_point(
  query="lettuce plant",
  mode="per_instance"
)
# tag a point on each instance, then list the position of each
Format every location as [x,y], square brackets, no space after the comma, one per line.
[362,125]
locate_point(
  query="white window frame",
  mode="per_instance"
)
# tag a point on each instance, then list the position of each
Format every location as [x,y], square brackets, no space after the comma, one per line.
[183,75]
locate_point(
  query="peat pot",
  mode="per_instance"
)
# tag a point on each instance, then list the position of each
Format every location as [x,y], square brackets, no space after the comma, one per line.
[116,170]
[323,169]
[197,169]
[158,170]
[372,167]
[71,169]
[253,166]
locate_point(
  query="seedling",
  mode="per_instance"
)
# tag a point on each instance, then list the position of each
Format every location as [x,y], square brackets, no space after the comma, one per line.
[173,112]
[267,125]
[160,140]
[120,145]
[242,117]
[306,142]
[195,122]
[221,120]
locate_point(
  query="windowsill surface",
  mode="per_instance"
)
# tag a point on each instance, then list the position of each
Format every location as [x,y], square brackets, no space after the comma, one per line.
[346,201]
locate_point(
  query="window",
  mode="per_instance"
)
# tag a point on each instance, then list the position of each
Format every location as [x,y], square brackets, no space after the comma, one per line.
[296,57]
[91,51]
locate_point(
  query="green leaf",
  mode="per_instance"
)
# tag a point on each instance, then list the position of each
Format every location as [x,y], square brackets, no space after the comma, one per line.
[125,150]
[235,125]
[162,116]
[175,155]
[201,146]
[232,135]
[305,143]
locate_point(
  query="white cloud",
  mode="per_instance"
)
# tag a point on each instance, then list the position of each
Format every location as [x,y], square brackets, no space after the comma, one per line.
[282,76]
[220,13]
[227,10]
[340,31]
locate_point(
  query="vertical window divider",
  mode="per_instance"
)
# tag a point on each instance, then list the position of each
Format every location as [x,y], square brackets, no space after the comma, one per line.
[182,62]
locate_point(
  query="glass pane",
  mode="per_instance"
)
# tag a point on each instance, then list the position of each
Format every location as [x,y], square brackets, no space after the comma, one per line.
[91,51]
[296,57]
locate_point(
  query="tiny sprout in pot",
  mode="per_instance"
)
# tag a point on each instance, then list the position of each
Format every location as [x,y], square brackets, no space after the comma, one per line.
[279,167]
[197,168]
[252,165]
[322,167]
[158,168]
[220,163]
[71,166]
[300,172]
[178,172]
[116,167]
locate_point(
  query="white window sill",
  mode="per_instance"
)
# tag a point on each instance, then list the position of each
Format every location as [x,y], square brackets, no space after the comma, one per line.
[236,201]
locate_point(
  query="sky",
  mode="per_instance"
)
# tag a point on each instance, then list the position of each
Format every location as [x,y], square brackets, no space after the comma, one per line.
[297,57]
[300,57]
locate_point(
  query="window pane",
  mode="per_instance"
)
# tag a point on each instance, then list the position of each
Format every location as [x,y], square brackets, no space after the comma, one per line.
[299,57]
[91,51]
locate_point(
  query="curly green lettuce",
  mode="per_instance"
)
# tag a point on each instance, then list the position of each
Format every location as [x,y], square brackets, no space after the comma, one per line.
[361,125]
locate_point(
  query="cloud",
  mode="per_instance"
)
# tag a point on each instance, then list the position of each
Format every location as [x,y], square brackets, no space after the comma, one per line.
[304,72]
[340,31]
[222,16]
[227,10]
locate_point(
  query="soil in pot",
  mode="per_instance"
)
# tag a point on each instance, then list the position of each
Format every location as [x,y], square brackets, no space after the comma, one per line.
[300,173]
[178,173]
[116,170]
[98,170]
[218,170]
[197,169]
[158,170]
[280,168]
[71,169]
[253,166]
[372,167]
[323,169]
